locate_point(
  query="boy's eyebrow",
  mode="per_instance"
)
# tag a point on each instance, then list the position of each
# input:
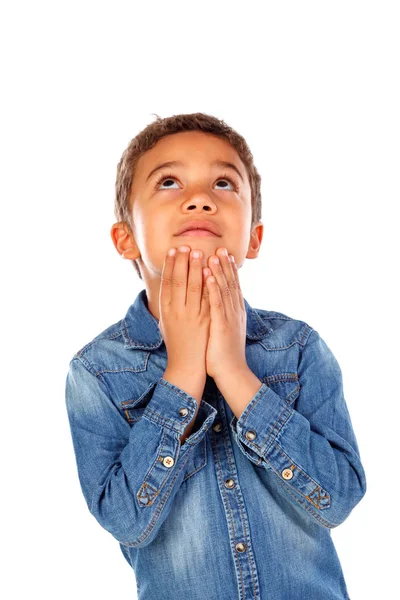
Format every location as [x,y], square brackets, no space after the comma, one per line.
[178,163]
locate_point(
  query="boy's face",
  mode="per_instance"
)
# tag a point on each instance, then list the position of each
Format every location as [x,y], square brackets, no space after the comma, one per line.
[196,189]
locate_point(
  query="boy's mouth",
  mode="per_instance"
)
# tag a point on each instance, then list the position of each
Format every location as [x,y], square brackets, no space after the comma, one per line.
[197,232]
[197,227]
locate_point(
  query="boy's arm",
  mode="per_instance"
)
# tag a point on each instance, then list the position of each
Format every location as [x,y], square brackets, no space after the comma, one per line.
[130,475]
[312,449]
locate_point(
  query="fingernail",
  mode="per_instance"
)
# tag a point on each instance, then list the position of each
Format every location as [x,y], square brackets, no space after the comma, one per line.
[171,251]
[184,249]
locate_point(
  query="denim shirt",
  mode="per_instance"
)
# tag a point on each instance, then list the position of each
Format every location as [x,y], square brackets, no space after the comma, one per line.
[244,508]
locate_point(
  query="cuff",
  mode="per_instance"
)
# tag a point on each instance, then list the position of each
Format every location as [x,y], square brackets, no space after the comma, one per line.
[173,408]
[257,429]
[261,421]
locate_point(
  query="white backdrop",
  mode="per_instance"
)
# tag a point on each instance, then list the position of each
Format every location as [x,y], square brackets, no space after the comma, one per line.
[314,89]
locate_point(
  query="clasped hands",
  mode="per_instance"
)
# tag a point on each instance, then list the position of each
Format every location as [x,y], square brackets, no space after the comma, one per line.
[202,312]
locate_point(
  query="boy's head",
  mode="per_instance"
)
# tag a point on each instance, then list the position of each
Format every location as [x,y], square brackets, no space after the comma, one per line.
[152,205]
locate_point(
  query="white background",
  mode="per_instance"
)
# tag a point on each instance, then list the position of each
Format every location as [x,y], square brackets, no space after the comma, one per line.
[314,89]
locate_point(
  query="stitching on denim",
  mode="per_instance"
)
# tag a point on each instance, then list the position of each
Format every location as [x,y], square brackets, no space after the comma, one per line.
[270,437]
[145,485]
[204,451]
[306,506]
[318,486]
[279,423]
[86,364]
[233,468]
[307,333]
[231,524]
[274,315]
[164,421]
[243,447]
[125,369]
[134,418]
[139,344]
[259,394]
[268,349]
[318,490]
[133,402]
[232,465]
[175,389]
[164,499]
[278,377]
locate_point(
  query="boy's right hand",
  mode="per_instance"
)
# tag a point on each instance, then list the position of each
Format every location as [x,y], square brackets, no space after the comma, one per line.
[184,312]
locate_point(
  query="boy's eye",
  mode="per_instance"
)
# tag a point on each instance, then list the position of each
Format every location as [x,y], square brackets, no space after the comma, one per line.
[170,178]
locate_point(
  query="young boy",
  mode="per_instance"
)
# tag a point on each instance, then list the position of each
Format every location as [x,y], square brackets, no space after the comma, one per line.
[212,439]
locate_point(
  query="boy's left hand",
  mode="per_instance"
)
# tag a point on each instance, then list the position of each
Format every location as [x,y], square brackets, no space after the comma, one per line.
[227,337]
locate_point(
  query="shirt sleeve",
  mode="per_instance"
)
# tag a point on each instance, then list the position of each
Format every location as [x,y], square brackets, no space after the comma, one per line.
[129,475]
[312,448]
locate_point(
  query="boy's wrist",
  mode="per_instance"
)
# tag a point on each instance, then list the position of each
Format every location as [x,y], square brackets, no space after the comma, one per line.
[190,381]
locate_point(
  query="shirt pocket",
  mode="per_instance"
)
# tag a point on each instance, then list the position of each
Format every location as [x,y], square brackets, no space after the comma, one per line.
[132,414]
[133,408]
[286,385]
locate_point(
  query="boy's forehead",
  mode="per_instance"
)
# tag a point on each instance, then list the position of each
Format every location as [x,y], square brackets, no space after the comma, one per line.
[189,147]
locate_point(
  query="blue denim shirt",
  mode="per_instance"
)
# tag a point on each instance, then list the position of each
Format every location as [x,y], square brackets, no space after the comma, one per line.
[244,508]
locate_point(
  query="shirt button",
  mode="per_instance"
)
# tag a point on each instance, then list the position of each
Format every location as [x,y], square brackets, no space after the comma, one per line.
[217,426]
[240,547]
[250,435]
[287,473]
[168,461]
[183,412]
[229,483]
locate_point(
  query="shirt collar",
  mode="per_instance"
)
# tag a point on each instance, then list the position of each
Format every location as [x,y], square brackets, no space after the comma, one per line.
[140,328]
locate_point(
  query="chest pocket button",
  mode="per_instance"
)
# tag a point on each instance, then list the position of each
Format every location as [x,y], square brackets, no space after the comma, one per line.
[183,412]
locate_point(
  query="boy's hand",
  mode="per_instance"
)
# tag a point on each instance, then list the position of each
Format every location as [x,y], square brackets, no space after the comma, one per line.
[227,339]
[184,312]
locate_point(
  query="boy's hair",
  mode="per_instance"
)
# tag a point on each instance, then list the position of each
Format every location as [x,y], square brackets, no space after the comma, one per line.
[160,128]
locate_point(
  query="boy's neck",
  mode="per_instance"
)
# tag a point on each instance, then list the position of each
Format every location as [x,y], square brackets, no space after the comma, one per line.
[152,300]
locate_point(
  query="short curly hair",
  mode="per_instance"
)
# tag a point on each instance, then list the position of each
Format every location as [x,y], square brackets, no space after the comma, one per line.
[160,128]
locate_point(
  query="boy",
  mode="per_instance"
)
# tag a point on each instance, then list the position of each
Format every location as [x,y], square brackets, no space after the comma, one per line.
[212,439]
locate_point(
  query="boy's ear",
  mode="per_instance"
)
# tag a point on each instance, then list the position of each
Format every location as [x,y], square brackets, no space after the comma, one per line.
[255,240]
[124,240]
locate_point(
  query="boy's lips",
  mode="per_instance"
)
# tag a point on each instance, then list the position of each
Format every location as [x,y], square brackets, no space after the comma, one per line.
[198,227]
[197,232]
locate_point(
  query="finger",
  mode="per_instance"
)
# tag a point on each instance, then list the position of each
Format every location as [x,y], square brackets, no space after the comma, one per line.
[238,287]
[217,309]
[205,297]
[165,295]
[224,289]
[179,277]
[195,282]
[230,277]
